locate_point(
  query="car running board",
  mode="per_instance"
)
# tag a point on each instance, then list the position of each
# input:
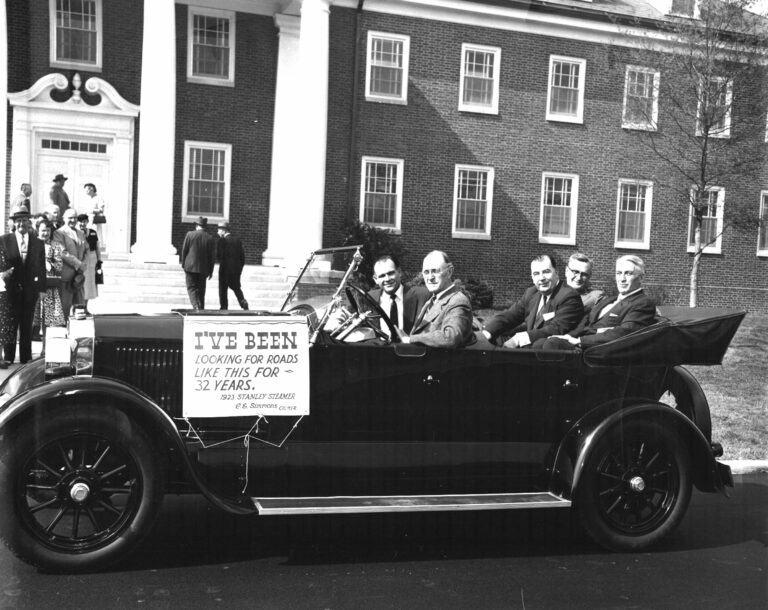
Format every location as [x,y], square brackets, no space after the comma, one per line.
[393,504]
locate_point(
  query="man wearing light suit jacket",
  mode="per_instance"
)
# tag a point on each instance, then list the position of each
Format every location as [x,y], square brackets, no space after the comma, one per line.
[446,318]
[612,317]
[549,307]
[401,303]
[24,281]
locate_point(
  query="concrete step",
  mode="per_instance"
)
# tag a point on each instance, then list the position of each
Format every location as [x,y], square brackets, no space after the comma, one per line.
[151,288]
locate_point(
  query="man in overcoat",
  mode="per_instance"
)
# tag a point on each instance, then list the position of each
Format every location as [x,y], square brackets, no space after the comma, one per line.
[231,257]
[198,256]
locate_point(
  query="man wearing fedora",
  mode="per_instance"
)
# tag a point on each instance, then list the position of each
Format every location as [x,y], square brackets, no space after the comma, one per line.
[26,257]
[231,257]
[58,195]
[198,257]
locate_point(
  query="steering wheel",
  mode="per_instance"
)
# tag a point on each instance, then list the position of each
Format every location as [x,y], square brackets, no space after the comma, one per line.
[359,298]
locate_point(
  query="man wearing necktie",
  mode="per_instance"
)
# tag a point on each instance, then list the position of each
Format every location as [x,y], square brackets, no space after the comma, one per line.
[446,318]
[612,317]
[549,307]
[401,303]
[26,256]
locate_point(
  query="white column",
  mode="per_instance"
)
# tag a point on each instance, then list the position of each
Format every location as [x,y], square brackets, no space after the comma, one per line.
[298,178]
[283,191]
[154,200]
[4,118]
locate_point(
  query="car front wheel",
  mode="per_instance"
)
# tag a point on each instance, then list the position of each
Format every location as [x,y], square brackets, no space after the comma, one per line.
[635,486]
[78,490]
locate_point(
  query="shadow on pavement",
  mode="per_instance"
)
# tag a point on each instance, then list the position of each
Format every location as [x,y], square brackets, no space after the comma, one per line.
[191,533]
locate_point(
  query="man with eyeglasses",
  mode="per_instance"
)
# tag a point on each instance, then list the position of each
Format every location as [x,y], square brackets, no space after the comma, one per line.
[612,317]
[549,307]
[401,303]
[577,275]
[446,318]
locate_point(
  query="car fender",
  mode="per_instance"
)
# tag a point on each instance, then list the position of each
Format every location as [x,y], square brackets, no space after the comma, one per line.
[573,451]
[68,392]
[691,400]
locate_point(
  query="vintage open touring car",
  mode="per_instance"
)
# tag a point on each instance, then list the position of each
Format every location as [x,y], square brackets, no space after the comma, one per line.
[320,409]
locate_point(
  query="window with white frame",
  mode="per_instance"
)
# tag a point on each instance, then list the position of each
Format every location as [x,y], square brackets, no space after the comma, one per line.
[479,85]
[381,192]
[711,221]
[684,8]
[207,167]
[472,202]
[210,46]
[76,33]
[565,94]
[559,203]
[713,114]
[386,73]
[641,99]
[762,239]
[633,214]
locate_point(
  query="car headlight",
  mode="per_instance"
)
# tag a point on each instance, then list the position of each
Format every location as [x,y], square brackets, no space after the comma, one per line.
[69,350]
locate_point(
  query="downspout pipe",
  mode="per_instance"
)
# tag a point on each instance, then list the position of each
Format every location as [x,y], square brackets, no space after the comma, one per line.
[352,147]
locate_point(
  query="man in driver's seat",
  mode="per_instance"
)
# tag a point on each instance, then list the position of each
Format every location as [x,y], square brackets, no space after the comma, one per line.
[401,303]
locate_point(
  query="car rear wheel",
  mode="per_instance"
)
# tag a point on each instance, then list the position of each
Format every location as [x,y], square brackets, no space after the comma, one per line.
[635,486]
[78,490]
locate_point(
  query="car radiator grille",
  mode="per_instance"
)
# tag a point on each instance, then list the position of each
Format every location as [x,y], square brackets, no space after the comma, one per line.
[155,370]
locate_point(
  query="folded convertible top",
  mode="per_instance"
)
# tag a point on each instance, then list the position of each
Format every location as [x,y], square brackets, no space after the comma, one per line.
[682,335]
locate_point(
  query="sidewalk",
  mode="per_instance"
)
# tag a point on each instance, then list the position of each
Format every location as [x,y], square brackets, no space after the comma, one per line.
[737,466]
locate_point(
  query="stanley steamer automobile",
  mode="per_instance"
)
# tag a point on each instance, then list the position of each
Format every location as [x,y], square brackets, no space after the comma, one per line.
[320,409]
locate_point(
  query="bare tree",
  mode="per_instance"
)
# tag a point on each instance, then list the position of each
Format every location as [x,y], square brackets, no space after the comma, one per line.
[698,101]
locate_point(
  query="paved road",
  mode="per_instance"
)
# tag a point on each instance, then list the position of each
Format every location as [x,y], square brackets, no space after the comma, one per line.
[199,557]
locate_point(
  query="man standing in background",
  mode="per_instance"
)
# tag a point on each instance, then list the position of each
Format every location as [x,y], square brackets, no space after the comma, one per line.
[197,257]
[23,197]
[59,195]
[231,257]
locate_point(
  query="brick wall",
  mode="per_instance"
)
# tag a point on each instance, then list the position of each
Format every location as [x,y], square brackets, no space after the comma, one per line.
[432,136]
[241,116]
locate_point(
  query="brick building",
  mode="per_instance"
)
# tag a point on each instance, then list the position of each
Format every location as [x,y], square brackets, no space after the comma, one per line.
[490,129]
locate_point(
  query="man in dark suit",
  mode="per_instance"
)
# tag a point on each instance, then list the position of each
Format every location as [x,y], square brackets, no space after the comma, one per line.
[612,317]
[26,256]
[401,303]
[231,257]
[197,257]
[549,307]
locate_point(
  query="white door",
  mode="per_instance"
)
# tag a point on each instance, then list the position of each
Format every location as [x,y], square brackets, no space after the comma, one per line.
[91,163]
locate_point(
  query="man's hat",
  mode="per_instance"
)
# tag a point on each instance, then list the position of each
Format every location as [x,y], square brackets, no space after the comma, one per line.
[19,211]
[224,225]
[61,177]
[202,221]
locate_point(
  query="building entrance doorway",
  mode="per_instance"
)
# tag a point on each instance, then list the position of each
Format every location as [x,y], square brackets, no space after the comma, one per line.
[81,161]
[86,143]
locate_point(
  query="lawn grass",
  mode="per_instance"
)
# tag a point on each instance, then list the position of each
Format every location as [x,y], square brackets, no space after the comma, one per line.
[737,391]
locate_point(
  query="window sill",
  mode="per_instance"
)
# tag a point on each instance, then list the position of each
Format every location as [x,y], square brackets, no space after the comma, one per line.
[625,245]
[562,118]
[479,109]
[467,235]
[386,100]
[709,250]
[74,65]
[209,80]
[561,241]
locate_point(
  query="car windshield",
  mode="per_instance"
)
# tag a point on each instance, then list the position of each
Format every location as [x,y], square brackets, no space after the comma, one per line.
[330,291]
